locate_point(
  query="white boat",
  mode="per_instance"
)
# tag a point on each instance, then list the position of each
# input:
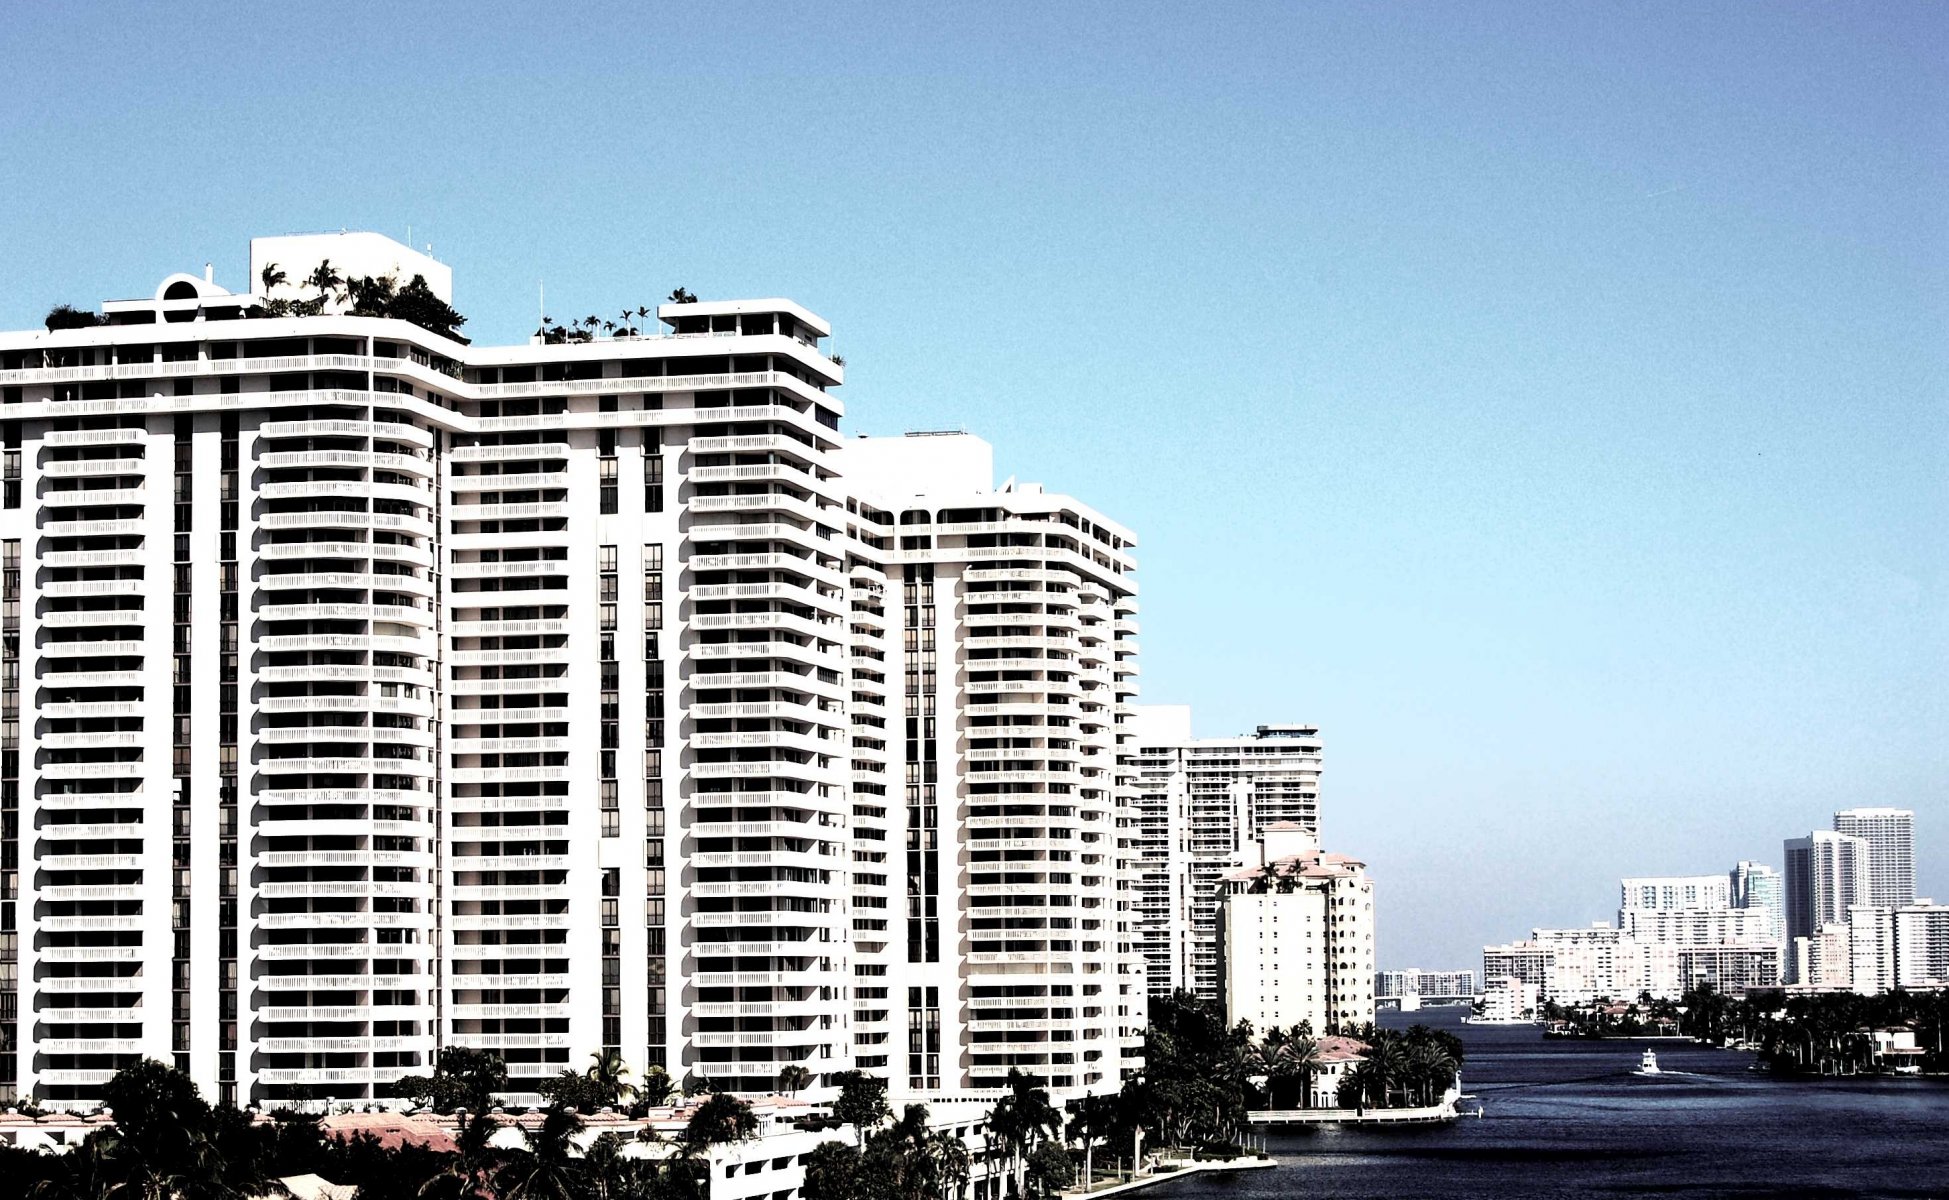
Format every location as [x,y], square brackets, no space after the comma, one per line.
[1648,1065]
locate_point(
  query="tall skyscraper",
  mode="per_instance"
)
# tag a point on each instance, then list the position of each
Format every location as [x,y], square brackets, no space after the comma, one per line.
[585,693]
[1890,834]
[1827,873]
[1756,885]
[1200,804]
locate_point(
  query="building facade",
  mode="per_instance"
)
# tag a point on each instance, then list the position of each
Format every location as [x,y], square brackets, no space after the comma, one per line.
[1416,982]
[1890,834]
[538,698]
[1700,926]
[1898,947]
[1296,936]
[1826,874]
[1756,885]
[1200,805]
[1675,892]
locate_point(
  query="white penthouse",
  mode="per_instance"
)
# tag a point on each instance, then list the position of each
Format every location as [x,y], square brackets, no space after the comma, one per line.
[535,698]
[1201,804]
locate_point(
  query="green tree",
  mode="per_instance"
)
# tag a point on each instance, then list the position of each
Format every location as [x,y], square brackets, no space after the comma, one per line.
[550,1169]
[462,1078]
[718,1121]
[1022,1120]
[67,316]
[862,1103]
[792,1078]
[832,1172]
[609,1073]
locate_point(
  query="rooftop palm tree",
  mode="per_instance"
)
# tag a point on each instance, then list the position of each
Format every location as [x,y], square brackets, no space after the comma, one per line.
[271,276]
[792,1078]
[325,277]
[607,1072]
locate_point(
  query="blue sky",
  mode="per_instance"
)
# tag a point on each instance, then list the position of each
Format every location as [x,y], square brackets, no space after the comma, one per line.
[1548,400]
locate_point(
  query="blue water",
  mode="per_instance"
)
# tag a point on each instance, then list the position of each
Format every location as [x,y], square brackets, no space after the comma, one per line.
[1574,1119]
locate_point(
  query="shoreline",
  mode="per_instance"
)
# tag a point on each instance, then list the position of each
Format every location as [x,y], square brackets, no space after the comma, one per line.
[1191,1167]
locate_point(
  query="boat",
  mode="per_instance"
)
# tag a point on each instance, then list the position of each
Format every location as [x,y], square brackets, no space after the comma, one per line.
[1648,1065]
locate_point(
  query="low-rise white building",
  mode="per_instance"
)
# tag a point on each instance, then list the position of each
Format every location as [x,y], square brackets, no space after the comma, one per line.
[1296,936]
[1507,1000]
[1413,981]
[1823,960]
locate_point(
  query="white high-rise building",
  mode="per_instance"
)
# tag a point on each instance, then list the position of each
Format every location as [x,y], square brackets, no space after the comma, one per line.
[1827,874]
[386,692]
[1700,926]
[1201,803]
[1890,834]
[1899,947]
[999,824]
[1675,892]
[1296,936]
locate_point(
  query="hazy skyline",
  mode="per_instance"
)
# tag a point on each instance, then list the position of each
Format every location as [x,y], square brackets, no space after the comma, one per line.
[1546,401]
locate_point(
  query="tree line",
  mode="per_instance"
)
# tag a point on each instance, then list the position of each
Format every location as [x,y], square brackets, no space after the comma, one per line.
[1202,1076]
[1821,1033]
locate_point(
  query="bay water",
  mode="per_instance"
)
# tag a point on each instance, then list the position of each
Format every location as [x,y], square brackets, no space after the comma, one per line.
[1572,1118]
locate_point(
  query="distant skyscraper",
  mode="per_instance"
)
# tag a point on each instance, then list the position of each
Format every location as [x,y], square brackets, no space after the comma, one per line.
[1890,834]
[1201,803]
[1827,873]
[1675,891]
[1756,885]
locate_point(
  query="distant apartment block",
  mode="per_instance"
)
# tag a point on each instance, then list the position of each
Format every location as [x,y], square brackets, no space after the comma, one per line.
[1675,892]
[379,692]
[1200,805]
[1416,982]
[1898,947]
[1890,834]
[1296,936]
[1826,874]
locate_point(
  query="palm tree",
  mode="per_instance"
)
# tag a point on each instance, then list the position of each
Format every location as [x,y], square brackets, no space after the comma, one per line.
[326,278]
[607,1072]
[271,276]
[1390,1062]
[793,1077]
[550,1171]
[1302,1063]
[1020,1120]
[951,1163]
[467,1174]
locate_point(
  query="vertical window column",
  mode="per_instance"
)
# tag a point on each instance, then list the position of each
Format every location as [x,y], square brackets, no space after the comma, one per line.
[652,470]
[12,460]
[606,468]
[612,960]
[9,818]
[180,755]
[657,1052]
[923,825]
[227,765]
